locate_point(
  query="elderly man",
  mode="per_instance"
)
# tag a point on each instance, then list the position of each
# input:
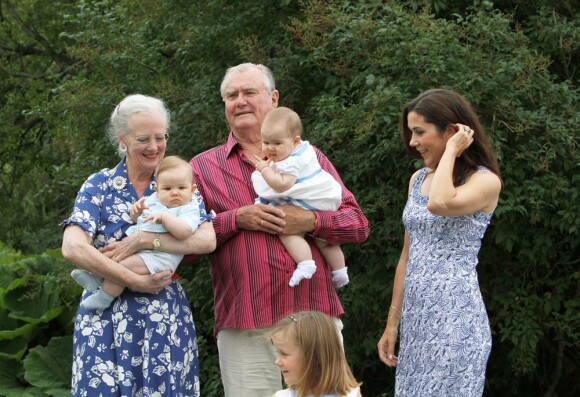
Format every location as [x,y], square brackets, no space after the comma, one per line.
[250,267]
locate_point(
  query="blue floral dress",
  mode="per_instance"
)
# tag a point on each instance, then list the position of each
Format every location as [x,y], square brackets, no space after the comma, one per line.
[143,344]
[445,335]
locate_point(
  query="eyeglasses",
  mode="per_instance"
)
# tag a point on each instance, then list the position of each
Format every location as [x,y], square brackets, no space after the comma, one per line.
[145,139]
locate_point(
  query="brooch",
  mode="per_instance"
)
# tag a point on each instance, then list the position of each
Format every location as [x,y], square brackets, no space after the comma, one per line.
[119,183]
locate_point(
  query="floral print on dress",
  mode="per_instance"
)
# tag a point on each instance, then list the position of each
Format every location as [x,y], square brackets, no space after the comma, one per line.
[143,344]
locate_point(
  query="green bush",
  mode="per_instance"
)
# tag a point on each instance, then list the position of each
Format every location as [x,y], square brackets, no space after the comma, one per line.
[36,313]
[528,266]
[347,68]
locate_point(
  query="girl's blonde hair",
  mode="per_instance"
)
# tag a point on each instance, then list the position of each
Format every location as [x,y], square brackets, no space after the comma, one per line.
[325,368]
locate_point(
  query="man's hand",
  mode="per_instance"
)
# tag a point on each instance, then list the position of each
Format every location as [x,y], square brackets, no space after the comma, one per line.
[298,220]
[266,218]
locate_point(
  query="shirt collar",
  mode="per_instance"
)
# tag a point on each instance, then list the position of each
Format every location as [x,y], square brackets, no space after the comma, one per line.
[232,144]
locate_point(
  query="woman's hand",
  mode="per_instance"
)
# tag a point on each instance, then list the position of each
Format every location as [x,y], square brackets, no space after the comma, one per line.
[150,283]
[461,140]
[386,345]
[120,250]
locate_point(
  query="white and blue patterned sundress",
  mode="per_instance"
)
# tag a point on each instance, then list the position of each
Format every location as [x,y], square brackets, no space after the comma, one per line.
[143,344]
[445,335]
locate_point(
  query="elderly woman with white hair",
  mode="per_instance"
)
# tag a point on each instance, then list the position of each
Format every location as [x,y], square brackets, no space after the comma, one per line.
[145,342]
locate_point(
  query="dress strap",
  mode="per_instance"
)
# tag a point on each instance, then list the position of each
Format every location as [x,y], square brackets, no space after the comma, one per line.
[419,180]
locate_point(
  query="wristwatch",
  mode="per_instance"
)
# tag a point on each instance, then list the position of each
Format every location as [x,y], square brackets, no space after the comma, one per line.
[156,242]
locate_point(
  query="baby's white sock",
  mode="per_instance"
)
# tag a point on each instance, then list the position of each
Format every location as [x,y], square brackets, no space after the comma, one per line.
[305,269]
[340,277]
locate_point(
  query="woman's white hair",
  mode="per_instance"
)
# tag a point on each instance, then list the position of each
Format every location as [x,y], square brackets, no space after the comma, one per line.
[129,106]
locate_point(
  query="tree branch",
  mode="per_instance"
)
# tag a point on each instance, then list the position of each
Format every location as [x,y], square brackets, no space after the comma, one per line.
[61,59]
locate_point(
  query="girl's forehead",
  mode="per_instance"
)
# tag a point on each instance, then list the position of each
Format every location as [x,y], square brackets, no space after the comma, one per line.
[282,336]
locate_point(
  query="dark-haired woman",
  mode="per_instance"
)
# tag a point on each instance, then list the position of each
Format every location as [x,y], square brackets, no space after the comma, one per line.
[445,334]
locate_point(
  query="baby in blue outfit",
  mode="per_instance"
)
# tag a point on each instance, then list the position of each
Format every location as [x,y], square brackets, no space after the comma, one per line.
[168,210]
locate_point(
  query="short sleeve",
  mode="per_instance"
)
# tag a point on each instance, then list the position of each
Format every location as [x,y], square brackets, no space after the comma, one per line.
[203,215]
[87,207]
[103,205]
[190,214]
[293,165]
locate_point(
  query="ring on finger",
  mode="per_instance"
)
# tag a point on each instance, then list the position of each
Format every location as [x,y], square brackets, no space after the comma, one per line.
[262,223]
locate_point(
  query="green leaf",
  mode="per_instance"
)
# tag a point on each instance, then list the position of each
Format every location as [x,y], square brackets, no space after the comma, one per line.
[11,328]
[10,372]
[30,301]
[13,348]
[50,367]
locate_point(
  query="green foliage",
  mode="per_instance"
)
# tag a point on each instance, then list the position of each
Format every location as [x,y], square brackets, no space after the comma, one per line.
[45,367]
[347,68]
[530,119]
[36,313]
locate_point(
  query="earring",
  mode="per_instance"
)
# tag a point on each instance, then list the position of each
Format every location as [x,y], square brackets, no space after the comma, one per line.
[122,147]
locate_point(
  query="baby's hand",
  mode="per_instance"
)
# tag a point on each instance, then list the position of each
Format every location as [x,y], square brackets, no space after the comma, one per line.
[156,218]
[138,207]
[261,163]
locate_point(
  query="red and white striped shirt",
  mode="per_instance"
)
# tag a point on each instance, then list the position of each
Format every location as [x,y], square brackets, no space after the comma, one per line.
[251,269]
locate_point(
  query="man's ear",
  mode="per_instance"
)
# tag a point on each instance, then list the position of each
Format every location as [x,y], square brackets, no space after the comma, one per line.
[275,96]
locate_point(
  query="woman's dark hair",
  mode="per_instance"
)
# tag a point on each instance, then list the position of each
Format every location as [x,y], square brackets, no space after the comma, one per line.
[444,107]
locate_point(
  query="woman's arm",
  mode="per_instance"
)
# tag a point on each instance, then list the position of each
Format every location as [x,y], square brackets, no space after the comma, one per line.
[386,345]
[480,192]
[202,241]
[77,248]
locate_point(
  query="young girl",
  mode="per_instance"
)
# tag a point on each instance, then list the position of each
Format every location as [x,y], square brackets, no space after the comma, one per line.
[292,175]
[311,358]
